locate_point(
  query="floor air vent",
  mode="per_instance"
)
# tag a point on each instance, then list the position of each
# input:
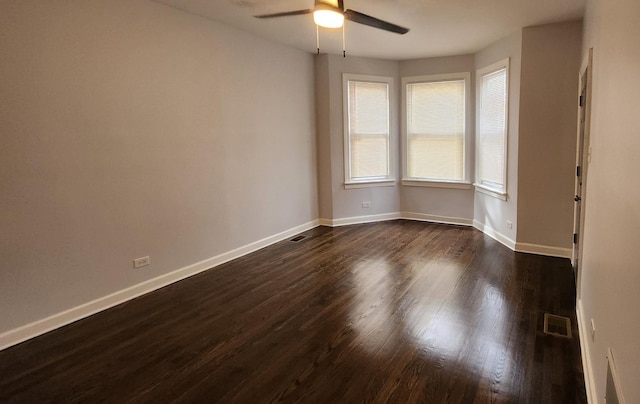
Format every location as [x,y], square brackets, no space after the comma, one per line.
[298,239]
[558,326]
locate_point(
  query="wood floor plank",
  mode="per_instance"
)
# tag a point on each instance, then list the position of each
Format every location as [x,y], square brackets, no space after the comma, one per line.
[392,312]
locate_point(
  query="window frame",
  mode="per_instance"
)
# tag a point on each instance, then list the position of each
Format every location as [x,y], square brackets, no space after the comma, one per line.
[389,179]
[465,183]
[486,188]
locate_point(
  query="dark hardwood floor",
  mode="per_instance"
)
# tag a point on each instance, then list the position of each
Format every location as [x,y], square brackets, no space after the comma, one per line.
[394,312]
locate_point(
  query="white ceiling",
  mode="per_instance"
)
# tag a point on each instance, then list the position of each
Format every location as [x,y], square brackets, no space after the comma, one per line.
[438,27]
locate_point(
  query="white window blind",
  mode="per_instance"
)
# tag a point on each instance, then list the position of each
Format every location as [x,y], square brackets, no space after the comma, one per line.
[492,129]
[436,130]
[368,130]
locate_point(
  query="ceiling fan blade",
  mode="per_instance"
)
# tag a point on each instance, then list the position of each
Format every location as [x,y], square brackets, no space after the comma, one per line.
[284,14]
[361,18]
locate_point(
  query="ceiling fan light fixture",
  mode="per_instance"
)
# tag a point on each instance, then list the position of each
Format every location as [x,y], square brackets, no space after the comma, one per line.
[328,18]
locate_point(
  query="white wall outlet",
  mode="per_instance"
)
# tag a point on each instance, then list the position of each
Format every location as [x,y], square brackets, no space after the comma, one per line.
[366,204]
[141,262]
[593,330]
[509,224]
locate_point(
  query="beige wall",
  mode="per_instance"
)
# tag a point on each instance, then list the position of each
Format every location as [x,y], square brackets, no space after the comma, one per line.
[323,136]
[547,133]
[611,258]
[547,182]
[491,213]
[130,129]
[453,203]
[336,202]
[347,203]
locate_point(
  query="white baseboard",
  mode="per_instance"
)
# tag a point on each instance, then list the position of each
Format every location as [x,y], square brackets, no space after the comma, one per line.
[360,219]
[501,238]
[28,331]
[436,219]
[494,234]
[396,215]
[544,250]
[587,367]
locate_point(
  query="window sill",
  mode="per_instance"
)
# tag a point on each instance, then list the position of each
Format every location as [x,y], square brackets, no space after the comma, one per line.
[369,184]
[490,191]
[437,184]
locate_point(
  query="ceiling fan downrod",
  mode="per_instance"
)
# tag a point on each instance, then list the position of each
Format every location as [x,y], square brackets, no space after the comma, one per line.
[344,48]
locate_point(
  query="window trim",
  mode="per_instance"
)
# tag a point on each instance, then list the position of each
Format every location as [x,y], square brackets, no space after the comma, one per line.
[485,188]
[465,183]
[381,181]
[370,183]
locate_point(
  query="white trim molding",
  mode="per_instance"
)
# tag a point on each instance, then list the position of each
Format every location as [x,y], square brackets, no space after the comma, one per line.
[384,180]
[28,331]
[544,250]
[462,183]
[488,191]
[360,219]
[436,219]
[423,217]
[587,366]
[494,234]
[436,184]
[325,222]
[615,378]
[370,184]
[493,189]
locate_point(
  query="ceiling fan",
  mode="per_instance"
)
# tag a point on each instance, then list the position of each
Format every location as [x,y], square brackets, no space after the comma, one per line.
[327,14]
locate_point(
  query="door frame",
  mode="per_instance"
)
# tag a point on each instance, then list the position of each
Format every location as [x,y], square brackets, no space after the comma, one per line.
[583,159]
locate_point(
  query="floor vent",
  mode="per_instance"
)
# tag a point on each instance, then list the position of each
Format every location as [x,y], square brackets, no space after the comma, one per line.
[298,238]
[558,326]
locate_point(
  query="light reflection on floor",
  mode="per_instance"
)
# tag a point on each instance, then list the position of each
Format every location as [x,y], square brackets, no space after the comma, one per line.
[442,332]
[372,304]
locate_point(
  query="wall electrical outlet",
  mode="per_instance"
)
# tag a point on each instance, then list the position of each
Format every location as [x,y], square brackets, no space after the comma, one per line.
[141,262]
[509,224]
[366,204]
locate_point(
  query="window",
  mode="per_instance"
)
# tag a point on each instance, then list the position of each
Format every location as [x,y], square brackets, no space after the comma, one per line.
[435,130]
[367,136]
[491,132]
